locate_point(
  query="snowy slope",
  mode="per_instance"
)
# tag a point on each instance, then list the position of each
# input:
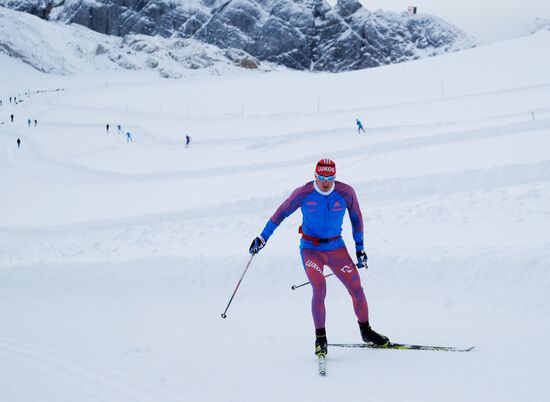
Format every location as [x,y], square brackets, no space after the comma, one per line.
[117,259]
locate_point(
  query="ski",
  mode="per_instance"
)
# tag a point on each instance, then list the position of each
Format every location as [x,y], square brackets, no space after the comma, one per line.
[402,346]
[322,364]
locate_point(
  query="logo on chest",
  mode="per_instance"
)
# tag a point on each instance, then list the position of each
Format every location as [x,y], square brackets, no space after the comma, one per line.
[313,206]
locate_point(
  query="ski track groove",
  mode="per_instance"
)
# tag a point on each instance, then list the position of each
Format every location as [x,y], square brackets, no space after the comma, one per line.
[377,190]
[79,372]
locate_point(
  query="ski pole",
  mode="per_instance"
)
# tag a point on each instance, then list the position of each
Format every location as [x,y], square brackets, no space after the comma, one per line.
[294,287]
[237,287]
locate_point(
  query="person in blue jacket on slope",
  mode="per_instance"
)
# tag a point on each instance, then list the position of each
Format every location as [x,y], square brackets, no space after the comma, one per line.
[324,202]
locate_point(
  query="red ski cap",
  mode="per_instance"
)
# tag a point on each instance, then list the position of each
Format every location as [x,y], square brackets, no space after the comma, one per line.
[325,167]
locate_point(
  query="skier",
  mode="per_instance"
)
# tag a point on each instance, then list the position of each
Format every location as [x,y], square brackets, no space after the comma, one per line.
[129,137]
[107,127]
[187,141]
[323,203]
[11,117]
[29,122]
[35,122]
[119,129]
[359,126]
[18,143]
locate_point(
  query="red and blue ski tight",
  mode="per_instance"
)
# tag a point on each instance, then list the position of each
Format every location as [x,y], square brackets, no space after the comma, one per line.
[345,270]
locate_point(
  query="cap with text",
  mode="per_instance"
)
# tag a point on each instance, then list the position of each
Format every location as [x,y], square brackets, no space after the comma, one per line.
[325,167]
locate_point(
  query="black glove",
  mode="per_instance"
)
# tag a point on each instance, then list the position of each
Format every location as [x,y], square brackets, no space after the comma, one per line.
[257,244]
[362,259]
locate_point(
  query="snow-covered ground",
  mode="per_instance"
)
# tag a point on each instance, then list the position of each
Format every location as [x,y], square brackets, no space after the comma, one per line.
[116,259]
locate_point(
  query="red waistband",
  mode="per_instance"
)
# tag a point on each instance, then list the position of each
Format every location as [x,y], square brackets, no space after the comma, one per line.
[316,240]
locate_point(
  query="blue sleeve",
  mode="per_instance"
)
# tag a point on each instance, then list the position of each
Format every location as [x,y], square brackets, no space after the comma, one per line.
[358,237]
[355,216]
[268,230]
[291,204]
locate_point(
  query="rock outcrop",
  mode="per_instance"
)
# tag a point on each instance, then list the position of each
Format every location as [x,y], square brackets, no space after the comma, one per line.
[300,34]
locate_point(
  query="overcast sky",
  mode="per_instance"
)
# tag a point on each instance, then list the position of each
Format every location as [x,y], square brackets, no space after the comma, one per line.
[487,20]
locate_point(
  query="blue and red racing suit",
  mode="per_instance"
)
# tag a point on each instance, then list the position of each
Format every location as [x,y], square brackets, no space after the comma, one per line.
[322,244]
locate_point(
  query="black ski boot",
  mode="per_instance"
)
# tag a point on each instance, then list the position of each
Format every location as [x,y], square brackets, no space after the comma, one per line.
[369,335]
[321,347]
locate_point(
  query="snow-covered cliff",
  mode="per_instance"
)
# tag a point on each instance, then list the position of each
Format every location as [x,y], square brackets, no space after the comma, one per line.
[55,47]
[300,34]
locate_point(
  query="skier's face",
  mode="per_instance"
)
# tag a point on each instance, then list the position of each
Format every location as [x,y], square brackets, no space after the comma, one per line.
[324,184]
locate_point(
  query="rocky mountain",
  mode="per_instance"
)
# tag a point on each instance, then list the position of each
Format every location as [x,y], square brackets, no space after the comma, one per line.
[53,47]
[300,34]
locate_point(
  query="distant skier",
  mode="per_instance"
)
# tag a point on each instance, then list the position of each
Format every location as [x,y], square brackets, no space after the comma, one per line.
[129,137]
[10,99]
[324,202]
[11,117]
[107,127]
[119,129]
[18,143]
[28,122]
[359,126]
[35,122]
[187,141]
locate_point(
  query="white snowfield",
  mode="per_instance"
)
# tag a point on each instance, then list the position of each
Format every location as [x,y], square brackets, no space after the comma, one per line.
[116,258]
